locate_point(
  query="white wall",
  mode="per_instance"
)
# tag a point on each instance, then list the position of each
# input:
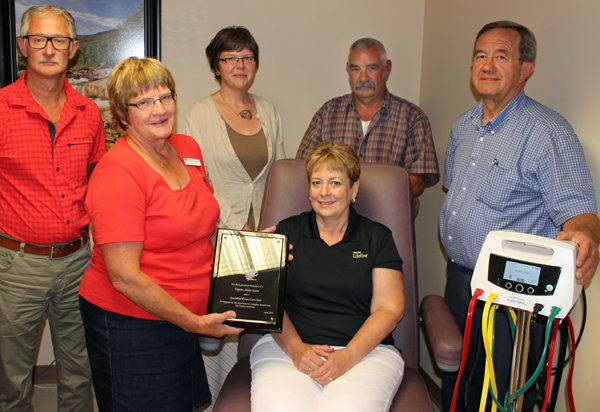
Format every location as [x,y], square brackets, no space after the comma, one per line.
[303,51]
[565,79]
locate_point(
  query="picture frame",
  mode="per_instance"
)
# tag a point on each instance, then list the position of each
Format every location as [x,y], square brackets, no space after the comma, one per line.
[82,68]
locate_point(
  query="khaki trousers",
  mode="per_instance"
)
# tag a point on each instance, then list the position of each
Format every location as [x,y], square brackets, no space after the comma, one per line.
[31,285]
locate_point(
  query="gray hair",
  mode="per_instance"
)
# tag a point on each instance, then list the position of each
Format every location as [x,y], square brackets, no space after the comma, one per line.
[43,11]
[367,43]
[527,45]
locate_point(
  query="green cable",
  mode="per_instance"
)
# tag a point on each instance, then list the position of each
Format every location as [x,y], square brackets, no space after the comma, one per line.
[511,322]
[497,402]
[555,311]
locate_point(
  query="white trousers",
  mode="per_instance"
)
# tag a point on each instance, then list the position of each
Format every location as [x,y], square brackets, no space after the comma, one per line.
[278,386]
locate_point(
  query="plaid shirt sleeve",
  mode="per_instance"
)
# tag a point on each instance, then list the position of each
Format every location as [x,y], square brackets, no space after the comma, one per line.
[420,157]
[312,137]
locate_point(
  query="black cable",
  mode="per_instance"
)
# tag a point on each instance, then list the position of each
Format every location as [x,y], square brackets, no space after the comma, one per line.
[533,354]
[534,359]
[45,370]
[562,361]
[583,322]
[470,378]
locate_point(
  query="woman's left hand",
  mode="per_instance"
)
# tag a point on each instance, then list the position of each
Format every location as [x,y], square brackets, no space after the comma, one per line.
[338,363]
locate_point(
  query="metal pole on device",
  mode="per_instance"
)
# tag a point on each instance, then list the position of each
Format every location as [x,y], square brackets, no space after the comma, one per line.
[520,355]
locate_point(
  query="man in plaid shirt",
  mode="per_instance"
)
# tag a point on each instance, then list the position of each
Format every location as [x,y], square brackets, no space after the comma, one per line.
[50,140]
[381,127]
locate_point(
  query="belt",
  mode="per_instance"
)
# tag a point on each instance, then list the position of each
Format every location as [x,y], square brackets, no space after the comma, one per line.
[52,251]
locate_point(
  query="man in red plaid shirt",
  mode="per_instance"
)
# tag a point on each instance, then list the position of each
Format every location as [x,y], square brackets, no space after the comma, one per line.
[381,127]
[50,140]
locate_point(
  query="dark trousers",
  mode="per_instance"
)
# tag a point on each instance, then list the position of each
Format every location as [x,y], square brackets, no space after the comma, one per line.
[458,295]
[143,365]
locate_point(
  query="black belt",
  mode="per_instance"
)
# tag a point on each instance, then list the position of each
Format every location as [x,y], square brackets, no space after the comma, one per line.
[52,251]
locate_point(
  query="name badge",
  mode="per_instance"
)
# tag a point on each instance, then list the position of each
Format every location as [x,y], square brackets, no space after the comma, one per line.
[191,162]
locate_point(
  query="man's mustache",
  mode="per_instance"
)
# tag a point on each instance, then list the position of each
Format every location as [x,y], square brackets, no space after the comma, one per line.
[48,60]
[367,83]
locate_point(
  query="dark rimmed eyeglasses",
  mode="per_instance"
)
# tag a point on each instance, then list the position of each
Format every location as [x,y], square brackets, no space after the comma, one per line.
[148,104]
[40,42]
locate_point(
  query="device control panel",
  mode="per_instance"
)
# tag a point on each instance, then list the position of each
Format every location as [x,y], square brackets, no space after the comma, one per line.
[523,277]
[525,269]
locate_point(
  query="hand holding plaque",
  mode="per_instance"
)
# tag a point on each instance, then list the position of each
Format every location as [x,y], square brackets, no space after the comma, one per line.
[249,275]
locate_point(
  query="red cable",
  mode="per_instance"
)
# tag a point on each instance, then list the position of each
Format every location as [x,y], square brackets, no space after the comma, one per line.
[570,381]
[465,350]
[549,367]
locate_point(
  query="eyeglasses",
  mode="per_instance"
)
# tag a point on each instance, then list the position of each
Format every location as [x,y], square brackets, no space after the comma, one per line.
[148,104]
[235,60]
[40,42]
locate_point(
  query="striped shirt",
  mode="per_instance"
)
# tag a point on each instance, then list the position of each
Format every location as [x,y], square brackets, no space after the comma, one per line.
[524,171]
[399,133]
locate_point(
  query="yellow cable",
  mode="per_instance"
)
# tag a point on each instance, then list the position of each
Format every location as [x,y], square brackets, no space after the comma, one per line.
[512,314]
[491,335]
[485,390]
[488,337]
[486,378]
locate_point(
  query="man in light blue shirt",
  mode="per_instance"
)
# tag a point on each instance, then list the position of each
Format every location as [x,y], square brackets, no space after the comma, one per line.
[513,164]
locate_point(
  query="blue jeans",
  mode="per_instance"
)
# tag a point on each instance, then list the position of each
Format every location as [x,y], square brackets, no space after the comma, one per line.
[143,365]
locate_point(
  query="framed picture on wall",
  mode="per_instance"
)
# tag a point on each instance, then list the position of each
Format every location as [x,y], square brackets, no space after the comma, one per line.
[108,31]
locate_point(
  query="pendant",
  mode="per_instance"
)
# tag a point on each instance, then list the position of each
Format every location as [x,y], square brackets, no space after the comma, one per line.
[246,114]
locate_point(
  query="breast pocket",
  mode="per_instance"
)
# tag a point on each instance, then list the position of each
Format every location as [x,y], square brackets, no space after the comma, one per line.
[504,184]
[77,152]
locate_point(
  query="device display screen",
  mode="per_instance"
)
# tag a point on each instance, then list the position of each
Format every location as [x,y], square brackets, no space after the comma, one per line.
[522,276]
[520,272]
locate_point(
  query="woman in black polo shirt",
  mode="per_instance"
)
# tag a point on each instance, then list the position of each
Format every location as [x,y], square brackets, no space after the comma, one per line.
[345,296]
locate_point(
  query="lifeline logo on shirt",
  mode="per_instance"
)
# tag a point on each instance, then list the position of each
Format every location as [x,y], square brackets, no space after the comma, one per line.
[359,255]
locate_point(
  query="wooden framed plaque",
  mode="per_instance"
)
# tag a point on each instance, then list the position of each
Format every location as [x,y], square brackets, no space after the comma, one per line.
[249,277]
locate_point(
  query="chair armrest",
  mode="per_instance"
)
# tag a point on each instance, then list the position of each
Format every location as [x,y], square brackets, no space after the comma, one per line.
[235,393]
[442,332]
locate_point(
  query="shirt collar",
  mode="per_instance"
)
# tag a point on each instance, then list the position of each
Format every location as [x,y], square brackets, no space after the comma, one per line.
[350,101]
[513,106]
[311,230]
[22,96]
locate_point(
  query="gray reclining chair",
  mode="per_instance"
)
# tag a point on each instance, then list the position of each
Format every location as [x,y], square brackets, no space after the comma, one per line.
[384,196]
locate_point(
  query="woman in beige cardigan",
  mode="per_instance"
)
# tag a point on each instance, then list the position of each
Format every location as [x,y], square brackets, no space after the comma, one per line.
[240,137]
[239,133]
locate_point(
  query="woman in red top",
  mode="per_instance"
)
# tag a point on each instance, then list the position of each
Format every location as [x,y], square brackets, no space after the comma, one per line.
[144,296]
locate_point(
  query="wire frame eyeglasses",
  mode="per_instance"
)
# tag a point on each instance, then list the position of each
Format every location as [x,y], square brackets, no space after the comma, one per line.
[235,60]
[148,104]
[40,42]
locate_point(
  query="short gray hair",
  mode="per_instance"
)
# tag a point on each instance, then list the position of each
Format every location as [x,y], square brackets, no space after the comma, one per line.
[43,11]
[527,45]
[367,43]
